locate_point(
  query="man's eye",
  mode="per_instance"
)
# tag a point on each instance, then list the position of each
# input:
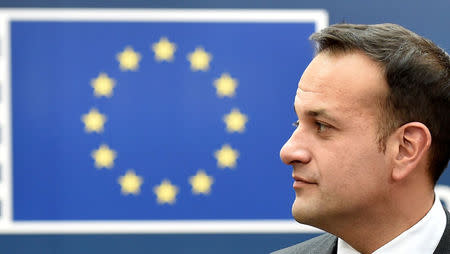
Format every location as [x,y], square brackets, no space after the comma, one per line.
[321,127]
[296,123]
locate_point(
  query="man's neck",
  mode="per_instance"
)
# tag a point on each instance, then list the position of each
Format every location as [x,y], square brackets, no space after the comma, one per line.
[375,228]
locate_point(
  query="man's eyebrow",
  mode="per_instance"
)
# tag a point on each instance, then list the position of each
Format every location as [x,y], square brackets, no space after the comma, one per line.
[321,113]
[318,113]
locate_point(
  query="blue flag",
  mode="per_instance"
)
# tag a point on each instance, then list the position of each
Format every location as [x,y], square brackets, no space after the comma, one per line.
[153,120]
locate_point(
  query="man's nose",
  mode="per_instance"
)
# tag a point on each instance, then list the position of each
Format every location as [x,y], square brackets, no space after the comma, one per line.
[295,150]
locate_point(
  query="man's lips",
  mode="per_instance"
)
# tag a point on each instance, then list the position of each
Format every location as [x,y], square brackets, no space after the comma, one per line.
[301,181]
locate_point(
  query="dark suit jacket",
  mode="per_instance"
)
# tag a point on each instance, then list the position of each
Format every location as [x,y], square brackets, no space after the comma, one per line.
[327,244]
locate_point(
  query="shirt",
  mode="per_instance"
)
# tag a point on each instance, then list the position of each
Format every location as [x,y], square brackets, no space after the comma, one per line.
[422,238]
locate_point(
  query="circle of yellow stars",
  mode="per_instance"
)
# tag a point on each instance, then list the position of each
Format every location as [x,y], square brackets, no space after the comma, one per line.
[104,156]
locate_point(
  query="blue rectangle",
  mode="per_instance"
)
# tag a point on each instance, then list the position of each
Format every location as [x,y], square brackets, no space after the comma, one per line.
[164,119]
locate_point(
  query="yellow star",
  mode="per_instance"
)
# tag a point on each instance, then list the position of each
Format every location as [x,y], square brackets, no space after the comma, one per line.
[226,157]
[201,182]
[225,85]
[235,121]
[103,85]
[93,121]
[164,49]
[129,59]
[166,192]
[199,59]
[104,157]
[130,183]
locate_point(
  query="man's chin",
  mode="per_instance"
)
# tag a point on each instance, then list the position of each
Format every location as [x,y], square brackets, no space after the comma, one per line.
[303,213]
[298,212]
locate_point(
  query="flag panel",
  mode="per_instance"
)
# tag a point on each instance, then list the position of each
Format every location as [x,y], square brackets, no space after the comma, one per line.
[153,120]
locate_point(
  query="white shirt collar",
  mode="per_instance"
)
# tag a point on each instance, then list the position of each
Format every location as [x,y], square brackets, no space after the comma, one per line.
[421,238]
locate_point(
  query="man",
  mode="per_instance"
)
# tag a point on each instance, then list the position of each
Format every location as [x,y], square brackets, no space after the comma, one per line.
[371,140]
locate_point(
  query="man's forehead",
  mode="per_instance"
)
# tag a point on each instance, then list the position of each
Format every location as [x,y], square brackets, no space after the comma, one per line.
[314,104]
[348,78]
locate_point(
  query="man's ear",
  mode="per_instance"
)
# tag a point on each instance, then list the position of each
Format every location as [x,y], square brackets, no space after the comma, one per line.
[411,142]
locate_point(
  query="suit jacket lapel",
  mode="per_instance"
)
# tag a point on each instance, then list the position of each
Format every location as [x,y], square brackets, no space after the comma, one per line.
[444,245]
[333,247]
[334,251]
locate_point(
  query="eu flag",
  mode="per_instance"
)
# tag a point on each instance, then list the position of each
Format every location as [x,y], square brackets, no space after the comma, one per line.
[153,120]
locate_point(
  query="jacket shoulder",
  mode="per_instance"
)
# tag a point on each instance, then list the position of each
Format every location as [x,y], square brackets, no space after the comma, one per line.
[322,244]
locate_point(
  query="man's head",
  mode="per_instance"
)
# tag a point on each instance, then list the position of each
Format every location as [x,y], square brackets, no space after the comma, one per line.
[373,114]
[417,73]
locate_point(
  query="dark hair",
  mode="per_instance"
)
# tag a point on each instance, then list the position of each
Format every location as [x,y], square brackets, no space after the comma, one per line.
[417,72]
